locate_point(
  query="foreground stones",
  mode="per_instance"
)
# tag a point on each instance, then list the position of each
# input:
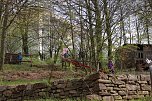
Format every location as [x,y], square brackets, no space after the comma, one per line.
[97,87]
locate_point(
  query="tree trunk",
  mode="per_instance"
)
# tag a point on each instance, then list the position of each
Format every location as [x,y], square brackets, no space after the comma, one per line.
[72,32]
[92,52]
[122,26]
[25,41]
[98,31]
[3,36]
[147,32]
[137,29]
[108,29]
[1,9]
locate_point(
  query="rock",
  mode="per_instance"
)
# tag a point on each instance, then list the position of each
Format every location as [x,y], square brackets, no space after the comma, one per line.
[122,77]
[118,97]
[105,93]
[61,85]
[110,88]
[102,87]
[122,86]
[110,85]
[113,93]
[39,86]
[144,77]
[132,77]
[93,77]
[128,97]
[7,93]
[94,97]
[59,90]
[122,93]
[103,76]
[21,87]
[131,82]
[132,87]
[2,88]
[104,81]
[56,95]
[73,92]
[146,87]
[99,87]
[43,94]
[132,92]
[108,98]
[142,82]
[119,89]
[143,92]
[29,87]
[118,82]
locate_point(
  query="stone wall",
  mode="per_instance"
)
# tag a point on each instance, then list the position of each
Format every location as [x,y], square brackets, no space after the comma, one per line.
[97,86]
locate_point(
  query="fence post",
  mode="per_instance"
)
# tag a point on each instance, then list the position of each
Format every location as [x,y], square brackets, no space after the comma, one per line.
[150,69]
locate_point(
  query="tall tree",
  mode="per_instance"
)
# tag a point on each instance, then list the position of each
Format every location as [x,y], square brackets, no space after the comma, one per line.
[108,28]
[11,8]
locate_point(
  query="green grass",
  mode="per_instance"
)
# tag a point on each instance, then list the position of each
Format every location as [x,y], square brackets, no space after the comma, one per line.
[78,99]
[22,82]
[144,99]
[16,67]
[68,99]
[13,68]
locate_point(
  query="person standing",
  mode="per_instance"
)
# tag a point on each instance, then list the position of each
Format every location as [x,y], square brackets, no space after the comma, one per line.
[111,66]
[19,57]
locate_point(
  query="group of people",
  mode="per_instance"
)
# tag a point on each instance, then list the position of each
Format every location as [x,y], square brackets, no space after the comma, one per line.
[65,54]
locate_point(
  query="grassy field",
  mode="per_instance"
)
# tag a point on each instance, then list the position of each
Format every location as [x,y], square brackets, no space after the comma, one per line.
[25,74]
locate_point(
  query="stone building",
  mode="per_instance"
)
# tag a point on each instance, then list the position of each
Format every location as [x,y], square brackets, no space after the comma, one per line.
[133,56]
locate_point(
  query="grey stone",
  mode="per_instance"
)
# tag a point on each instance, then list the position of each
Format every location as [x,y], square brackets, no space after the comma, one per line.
[118,97]
[132,77]
[143,92]
[104,81]
[142,82]
[7,93]
[108,98]
[146,87]
[105,93]
[122,93]
[118,82]
[122,77]
[144,77]
[132,87]
[132,92]
[94,97]
[2,88]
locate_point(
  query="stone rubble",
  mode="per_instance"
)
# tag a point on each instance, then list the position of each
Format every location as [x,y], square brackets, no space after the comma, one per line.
[98,86]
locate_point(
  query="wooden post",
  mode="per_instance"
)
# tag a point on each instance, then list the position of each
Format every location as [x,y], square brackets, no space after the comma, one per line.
[150,68]
[31,60]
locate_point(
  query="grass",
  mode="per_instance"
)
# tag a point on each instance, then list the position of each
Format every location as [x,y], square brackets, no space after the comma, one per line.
[17,68]
[78,99]
[68,99]
[22,82]
[14,67]
[144,99]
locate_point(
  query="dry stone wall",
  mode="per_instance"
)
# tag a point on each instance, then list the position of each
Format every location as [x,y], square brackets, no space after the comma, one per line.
[97,86]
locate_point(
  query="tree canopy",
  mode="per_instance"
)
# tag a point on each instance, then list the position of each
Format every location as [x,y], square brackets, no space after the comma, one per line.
[94,28]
